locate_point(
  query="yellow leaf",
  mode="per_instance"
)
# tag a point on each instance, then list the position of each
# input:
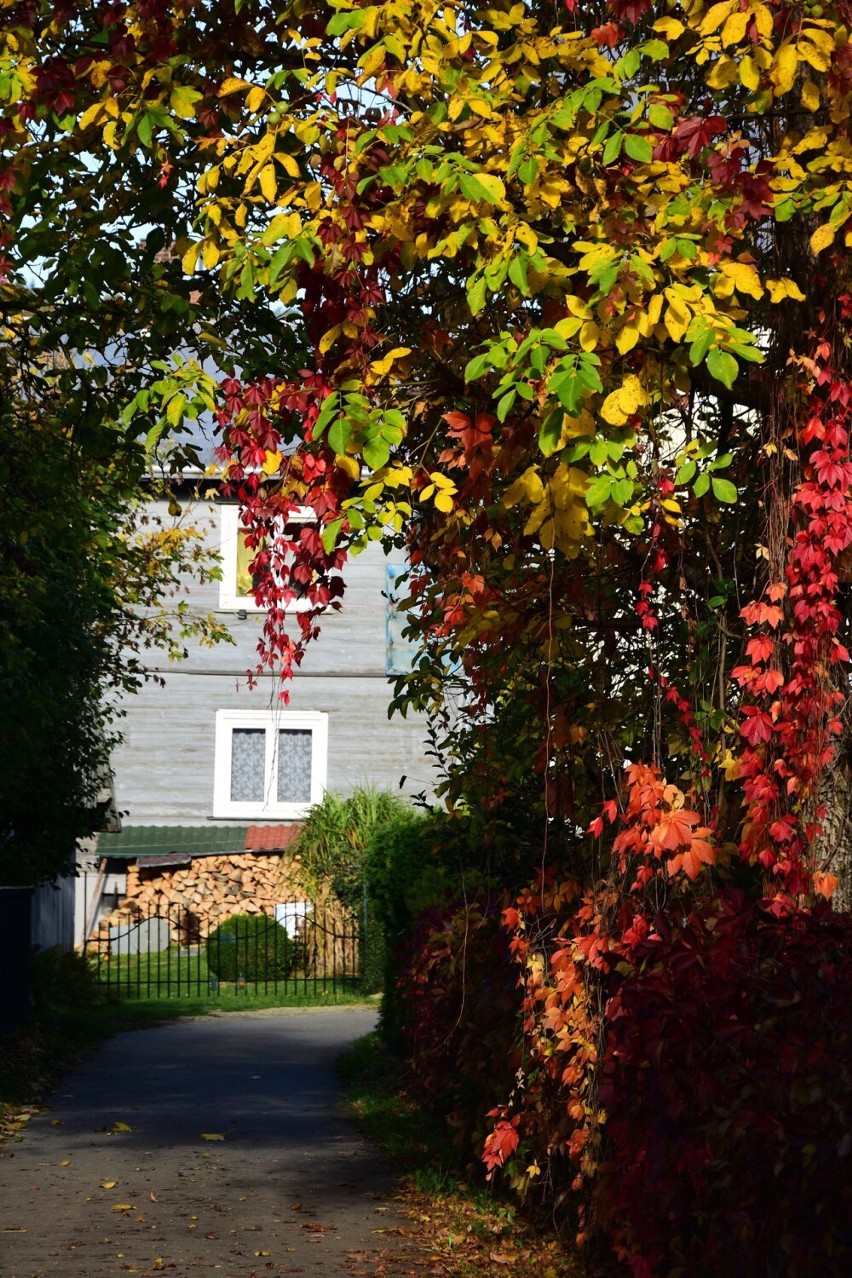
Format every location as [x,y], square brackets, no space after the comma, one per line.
[723,74]
[348,464]
[654,310]
[763,20]
[271,463]
[443,501]
[821,238]
[329,338]
[809,52]
[624,402]
[122,1206]
[730,766]
[677,318]
[670,27]
[744,276]
[716,15]
[779,289]
[120,1127]
[735,28]
[810,96]
[108,1184]
[90,115]
[232,85]
[254,98]
[749,74]
[493,185]
[382,366]
[190,258]
[289,163]
[627,338]
[783,70]
[212,1136]
[210,253]
[268,185]
[589,335]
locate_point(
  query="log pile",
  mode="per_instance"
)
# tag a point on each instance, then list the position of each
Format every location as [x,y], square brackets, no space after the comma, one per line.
[197,897]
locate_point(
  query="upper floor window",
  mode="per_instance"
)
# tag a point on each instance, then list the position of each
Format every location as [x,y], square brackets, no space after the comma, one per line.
[269,763]
[236,589]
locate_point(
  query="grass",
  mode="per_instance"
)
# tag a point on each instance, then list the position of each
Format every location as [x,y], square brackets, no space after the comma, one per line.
[469,1229]
[178,973]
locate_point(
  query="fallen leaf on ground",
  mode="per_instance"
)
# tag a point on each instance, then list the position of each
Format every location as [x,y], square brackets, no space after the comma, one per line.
[212,1136]
[120,1127]
[108,1184]
[122,1206]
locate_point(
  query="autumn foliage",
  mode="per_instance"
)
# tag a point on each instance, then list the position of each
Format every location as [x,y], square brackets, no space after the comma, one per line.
[556,299]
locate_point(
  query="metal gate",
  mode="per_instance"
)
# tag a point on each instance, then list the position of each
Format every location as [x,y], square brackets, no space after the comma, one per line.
[303,948]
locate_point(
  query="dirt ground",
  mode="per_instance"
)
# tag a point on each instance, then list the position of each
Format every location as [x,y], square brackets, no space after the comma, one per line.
[206,1146]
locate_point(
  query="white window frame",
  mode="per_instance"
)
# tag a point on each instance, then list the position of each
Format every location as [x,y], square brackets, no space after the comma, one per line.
[271,721]
[230,528]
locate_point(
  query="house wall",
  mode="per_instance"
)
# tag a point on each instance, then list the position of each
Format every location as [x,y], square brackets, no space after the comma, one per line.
[164,770]
[52,915]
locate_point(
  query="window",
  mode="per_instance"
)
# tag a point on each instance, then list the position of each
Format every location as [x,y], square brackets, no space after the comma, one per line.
[269,763]
[400,652]
[236,589]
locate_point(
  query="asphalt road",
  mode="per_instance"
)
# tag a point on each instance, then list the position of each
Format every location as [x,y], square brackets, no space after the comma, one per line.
[117,1176]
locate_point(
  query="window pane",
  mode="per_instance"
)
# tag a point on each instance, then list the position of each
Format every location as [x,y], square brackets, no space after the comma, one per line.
[248,765]
[295,748]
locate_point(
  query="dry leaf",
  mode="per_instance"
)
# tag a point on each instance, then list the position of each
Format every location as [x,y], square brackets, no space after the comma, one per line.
[212,1136]
[108,1184]
[120,1127]
[65,1162]
[122,1206]
[153,1196]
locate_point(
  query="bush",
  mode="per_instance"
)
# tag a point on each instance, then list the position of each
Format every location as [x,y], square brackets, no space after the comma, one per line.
[727,1081]
[252,946]
[59,980]
[458,1002]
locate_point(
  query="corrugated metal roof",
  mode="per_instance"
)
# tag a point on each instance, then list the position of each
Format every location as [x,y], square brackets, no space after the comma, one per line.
[271,838]
[165,840]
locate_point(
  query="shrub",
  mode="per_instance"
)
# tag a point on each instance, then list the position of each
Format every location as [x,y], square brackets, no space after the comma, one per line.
[727,1080]
[253,946]
[458,1003]
[334,837]
[59,980]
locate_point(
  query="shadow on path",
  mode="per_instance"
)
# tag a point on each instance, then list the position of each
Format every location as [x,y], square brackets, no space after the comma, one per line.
[287,1186]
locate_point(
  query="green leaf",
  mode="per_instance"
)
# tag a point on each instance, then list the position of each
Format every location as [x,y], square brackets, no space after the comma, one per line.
[528,171]
[329,408]
[724,490]
[638,147]
[504,407]
[330,534]
[612,150]
[660,116]
[685,472]
[722,366]
[376,452]
[702,484]
[699,348]
[339,433]
[476,367]
[550,433]
[518,274]
[476,295]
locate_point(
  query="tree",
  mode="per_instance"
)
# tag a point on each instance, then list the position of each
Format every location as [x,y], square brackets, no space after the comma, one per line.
[84,582]
[557,297]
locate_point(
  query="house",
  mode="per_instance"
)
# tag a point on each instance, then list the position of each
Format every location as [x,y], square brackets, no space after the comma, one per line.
[205,759]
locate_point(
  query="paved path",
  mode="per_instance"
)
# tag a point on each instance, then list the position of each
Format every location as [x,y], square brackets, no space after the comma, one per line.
[293,1188]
